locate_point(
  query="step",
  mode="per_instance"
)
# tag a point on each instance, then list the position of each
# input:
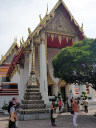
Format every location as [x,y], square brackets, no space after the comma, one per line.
[33,90]
[31,111]
[32,102]
[32,97]
[32,106]
[32,94]
[32,86]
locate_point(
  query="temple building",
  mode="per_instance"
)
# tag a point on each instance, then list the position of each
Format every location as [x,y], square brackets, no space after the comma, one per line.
[56,30]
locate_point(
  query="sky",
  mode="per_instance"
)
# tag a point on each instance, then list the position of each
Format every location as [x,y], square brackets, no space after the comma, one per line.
[16,16]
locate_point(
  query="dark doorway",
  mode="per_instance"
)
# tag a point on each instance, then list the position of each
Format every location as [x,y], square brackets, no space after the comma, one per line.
[63,92]
[49,90]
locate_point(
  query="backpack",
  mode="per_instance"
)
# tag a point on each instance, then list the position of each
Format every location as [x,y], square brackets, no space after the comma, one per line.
[9,106]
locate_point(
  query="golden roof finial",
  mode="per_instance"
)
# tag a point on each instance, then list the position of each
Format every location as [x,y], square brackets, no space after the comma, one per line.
[82,27]
[40,18]
[29,31]
[15,39]
[47,10]
[23,40]
[20,43]
[2,56]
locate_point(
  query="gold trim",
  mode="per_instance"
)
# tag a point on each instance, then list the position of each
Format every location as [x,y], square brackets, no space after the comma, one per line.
[55,90]
[49,78]
[3,58]
[14,71]
[59,34]
[52,37]
[59,38]
[61,83]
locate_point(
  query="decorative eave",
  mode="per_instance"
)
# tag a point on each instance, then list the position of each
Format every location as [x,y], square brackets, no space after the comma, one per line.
[13,46]
[13,67]
[18,54]
[49,79]
[62,83]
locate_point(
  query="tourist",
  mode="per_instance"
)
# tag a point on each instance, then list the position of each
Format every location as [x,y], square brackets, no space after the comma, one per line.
[17,107]
[12,116]
[16,104]
[72,99]
[53,110]
[75,109]
[60,105]
[85,103]
[11,104]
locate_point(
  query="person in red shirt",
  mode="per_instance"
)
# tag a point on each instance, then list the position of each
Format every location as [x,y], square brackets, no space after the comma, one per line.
[60,104]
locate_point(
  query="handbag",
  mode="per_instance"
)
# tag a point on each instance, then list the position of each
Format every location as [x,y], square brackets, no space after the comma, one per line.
[54,115]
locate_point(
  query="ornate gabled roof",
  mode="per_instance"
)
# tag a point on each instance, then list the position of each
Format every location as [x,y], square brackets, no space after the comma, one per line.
[48,17]
[44,22]
[14,45]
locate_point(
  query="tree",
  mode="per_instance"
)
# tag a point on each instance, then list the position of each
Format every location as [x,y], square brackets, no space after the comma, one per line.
[77,63]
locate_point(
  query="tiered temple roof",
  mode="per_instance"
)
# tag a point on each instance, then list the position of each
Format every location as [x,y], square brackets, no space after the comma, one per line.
[43,23]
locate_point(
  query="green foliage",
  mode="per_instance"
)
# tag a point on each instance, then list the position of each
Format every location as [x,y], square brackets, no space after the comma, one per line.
[84,95]
[5,107]
[77,63]
[59,95]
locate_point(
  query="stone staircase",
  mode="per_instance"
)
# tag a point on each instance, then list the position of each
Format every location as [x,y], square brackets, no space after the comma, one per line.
[33,107]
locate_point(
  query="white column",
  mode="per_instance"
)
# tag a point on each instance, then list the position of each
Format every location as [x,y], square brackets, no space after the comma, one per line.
[43,71]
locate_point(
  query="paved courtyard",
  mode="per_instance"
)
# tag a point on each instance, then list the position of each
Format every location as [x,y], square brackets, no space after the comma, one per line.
[63,120]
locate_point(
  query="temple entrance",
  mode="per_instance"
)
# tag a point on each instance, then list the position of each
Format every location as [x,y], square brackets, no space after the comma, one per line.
[63,92]
[50,90]
[62,89]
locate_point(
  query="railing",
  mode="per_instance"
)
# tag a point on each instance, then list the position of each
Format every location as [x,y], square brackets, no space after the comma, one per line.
[7,88]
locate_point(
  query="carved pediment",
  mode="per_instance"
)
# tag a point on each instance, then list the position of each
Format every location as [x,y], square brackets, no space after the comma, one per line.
[61,22]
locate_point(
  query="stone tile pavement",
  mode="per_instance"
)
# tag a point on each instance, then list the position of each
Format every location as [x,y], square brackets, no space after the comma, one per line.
[64,120]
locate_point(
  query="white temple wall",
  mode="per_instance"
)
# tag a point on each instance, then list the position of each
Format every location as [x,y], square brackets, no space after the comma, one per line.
[15,78]
[24,75]
[81,89]
[51,53]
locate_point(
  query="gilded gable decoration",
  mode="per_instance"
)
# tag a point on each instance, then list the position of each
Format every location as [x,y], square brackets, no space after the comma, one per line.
[59,41]
[52,36]
[40,18]
[59,37]
[3,58]
[47,11]
[50,16]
